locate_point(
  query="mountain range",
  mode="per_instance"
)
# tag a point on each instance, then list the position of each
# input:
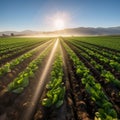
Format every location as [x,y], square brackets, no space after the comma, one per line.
[80,31]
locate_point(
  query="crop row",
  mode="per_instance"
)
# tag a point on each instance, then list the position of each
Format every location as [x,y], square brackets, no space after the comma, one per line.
[102,41]
[101,48]
[7,44]
[10,65]
[112,63]
[22,81]
[109,54]
[19,51]
[109,77]
[106,78]
[55,88]
[105,110]
[12,49]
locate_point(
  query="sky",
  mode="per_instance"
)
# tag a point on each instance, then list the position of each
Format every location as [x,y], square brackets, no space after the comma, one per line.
[40,15]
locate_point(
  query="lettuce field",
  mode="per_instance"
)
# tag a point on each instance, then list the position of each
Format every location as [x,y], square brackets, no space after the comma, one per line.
[64,78]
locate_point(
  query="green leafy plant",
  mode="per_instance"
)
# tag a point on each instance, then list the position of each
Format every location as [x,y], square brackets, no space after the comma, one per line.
[22,81]
[94,89]
[55,88]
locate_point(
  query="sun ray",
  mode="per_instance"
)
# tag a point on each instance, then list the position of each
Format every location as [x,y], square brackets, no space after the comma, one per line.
[59,24]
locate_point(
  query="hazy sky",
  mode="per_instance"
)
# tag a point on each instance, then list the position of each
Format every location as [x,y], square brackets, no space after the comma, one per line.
[41,14]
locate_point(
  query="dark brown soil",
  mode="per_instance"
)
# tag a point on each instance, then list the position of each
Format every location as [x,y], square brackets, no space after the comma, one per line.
[17,54]
[111,91]
[78,101]
[7,78]
[106,66]
[78,104]
[13,106]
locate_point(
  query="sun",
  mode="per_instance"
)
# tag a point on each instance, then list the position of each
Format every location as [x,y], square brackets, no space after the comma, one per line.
[59,24]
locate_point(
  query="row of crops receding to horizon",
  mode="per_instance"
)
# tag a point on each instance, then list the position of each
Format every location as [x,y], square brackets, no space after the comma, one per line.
[64,78]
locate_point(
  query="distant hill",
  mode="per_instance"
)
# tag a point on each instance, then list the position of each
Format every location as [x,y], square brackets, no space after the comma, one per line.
[71,31]
[25,32]
[92,31]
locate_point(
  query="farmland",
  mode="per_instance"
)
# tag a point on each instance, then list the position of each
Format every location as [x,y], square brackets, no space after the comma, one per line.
[65,78]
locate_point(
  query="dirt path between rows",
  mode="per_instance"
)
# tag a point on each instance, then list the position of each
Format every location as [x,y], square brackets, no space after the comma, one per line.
[8,77]
[21,107]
